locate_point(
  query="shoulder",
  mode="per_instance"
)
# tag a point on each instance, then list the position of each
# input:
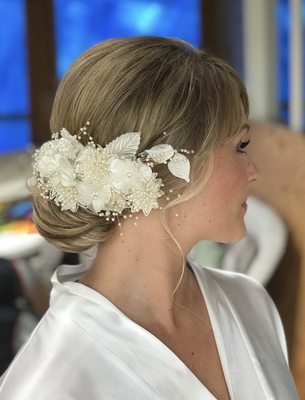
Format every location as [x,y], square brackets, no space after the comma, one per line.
[71,345]
[42,364]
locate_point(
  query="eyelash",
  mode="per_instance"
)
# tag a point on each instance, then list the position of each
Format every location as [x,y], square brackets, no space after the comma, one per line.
[243,145]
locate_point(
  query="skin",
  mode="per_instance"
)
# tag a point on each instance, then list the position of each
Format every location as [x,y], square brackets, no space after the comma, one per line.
[139,271]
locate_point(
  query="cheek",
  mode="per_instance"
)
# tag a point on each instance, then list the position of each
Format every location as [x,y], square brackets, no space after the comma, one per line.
[229,183]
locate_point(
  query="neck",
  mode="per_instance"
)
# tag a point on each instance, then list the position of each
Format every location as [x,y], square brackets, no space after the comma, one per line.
[139,275]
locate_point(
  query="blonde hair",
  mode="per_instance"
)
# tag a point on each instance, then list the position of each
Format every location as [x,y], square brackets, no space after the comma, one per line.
[150,85]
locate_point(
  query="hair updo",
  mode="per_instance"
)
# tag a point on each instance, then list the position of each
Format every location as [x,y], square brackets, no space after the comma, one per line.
[149,85]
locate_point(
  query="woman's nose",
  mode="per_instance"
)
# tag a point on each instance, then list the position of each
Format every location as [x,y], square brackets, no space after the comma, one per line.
[253,172]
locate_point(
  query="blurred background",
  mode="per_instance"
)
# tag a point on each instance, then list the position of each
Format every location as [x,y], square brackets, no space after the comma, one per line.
[262,39]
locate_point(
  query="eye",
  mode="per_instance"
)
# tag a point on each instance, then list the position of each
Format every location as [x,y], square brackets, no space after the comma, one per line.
[242,146]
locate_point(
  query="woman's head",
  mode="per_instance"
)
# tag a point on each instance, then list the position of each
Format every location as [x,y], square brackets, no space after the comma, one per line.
[150,85]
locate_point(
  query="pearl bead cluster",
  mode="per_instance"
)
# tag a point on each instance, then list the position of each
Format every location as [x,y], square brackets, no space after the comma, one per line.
[83,131]
[186,151]
[93,168]
[146,197]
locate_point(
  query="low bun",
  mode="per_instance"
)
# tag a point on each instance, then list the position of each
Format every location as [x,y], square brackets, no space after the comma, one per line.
[69,231]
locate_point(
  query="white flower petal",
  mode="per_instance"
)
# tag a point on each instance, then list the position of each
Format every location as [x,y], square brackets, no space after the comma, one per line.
[67,178]
[93,196]
[125,145]
[161,153]
[67,148]
[84,194]
[46,166]
[75,144]
[179,166]
[56,168]
[145,171]
[65,134]
[99,204]
[124,175]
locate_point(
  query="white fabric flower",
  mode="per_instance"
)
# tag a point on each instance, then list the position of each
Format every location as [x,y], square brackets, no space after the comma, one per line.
[92,196]
[67,146]
[126,175]
[58,169]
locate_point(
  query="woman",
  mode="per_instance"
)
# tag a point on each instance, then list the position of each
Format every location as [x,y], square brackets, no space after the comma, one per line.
[159,165]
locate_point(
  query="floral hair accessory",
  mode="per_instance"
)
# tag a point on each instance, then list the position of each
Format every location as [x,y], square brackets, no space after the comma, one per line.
[105,180]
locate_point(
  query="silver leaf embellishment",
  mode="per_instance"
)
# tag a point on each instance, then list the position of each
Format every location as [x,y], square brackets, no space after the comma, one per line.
[179,166]
[161,153]
[125,145]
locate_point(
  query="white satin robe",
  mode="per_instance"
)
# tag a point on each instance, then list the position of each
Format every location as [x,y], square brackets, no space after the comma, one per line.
[85,348]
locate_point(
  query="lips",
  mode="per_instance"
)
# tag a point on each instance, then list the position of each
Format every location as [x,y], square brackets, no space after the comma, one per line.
[244,205]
